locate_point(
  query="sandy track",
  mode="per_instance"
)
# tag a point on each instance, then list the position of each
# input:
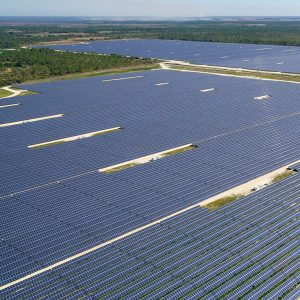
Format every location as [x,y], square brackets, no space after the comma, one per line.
[14,92]
[167,65]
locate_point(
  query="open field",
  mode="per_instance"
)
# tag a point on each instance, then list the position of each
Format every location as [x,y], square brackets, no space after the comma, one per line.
[5,93]
[10,92]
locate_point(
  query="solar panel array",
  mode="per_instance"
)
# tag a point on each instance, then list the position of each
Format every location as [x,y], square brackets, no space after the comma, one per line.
[55,203]
[258,57]
[248,249]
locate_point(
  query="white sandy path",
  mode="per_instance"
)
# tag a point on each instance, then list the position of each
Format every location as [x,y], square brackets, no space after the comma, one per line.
[9,105]
[185,63]
[14,92]
[30,120]
[245,189]
[165,66]
[146,159]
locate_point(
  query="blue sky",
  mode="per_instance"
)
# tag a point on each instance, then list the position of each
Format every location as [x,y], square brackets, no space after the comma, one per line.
[159,8]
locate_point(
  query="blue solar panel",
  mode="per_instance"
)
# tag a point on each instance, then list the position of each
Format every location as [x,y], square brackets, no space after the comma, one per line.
[55,204]
[123,263]
[170,121]
[258,57]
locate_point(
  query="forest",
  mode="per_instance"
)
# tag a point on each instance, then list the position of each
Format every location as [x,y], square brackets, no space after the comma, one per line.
[254,32]
[30,64]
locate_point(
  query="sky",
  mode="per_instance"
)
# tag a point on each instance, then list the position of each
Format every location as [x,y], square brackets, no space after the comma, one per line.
[157,8]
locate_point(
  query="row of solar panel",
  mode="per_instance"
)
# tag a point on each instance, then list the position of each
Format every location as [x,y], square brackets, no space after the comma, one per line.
[269,147]
[186,111]
[53,222]
[247,249]
[157,132]
[152,181]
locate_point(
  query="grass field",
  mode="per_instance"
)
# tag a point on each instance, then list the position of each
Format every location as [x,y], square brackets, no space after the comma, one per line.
[25,93]
[238,72]
[222,201]
[4,93]
[282,176]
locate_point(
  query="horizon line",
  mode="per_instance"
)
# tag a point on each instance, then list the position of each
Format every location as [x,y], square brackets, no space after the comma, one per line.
[149,16]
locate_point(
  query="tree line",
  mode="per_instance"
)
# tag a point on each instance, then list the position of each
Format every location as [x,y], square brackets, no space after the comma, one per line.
[29,64]
[252,32]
